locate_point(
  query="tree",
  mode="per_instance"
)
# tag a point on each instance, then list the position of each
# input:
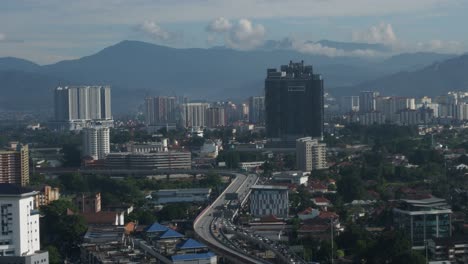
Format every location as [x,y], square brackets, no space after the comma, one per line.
[71,155]
[60,229]
[350,187]
[54,255]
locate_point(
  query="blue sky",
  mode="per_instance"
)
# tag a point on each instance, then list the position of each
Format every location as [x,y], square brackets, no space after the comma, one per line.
[47,31]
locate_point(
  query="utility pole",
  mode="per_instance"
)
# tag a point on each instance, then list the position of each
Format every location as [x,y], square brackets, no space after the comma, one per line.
[331,233]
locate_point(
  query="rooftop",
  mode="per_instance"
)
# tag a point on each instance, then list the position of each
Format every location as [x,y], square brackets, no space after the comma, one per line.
[7,189]
[269,187]
[190,244]
[187,257]
[157,227]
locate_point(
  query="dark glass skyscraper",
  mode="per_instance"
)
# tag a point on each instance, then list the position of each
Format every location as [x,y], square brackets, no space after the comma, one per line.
[293,102]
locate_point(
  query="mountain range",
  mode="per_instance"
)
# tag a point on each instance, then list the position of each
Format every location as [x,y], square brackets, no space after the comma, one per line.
[136,69]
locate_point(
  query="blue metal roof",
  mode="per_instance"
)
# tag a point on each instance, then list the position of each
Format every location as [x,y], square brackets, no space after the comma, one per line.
[157,227]
[190,244]
[171,234]
[192,256]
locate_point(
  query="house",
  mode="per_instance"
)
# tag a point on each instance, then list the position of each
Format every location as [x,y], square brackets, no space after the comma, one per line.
[322,202]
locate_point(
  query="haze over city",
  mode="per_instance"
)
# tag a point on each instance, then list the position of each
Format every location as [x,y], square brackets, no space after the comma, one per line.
[213,131]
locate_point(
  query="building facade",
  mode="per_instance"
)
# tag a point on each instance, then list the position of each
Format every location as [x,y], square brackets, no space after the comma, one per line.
[161,110]
[367,101]
[96,142]
[20,239]
[215,117]
[349,104]
[257,109]
[294,102]
[423,219]
[14,165]
[46,195]
[310,154]
[77,106]
[193,114]
[266,200]
[157,160]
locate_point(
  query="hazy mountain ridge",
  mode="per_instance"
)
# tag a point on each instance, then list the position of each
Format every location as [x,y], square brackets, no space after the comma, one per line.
[433,80]
[135,69]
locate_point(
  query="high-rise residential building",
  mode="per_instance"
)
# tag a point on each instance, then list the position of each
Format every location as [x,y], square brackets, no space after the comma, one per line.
[294,102]
[310,154]
[257,109]
[349,104]
[423,219]
[96,142]
[367,101]
[14,164]
[215,117]
[267,200]
[78,106]
[193,114]
[390,106]
[20,235]
[161,110]
[46,195]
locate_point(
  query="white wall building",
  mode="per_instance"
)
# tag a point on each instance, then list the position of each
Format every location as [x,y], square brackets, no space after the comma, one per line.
[194,114]
[96,142]
[266,200]
[310,154]
[19,236]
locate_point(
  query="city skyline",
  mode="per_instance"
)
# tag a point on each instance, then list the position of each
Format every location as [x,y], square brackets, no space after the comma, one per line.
[30,30]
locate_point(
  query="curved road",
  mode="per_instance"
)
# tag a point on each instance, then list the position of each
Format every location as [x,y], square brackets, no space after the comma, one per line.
[203,223]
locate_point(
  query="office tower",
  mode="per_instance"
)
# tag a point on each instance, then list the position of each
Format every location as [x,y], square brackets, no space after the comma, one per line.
[78,106]
[20,239]
[310,154]
[193,114]
[215,117]
[14,164]
[257,109]
[232,112]
[349,104]
[293,102]
[423,219]
[96,142]
[160,110]
[367,101]
[267,200]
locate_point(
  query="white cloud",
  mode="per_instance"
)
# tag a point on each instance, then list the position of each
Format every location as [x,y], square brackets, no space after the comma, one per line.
[154,30]
[219,25]
[379,34]
[2,37]
[319,49]
[437,45]
[243,35]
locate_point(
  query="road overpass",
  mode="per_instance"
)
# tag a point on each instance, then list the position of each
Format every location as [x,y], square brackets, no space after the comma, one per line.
[203,224]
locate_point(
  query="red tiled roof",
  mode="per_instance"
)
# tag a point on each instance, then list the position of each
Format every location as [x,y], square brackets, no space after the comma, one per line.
[313,228]
[100,218]
[328,215]
[306,211]
[321,200]
[318,186]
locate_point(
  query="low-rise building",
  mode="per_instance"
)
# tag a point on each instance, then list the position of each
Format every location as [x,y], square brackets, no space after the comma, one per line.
[423,219]
[452,249]
[46,195]
[193,195]
[268,200]
[156,160]
[294,177]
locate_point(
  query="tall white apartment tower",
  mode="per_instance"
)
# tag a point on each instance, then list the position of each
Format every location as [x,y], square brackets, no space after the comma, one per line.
[367,101]
[19,218]
[194,114]
[310,154]
[96,142]
[77,107]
